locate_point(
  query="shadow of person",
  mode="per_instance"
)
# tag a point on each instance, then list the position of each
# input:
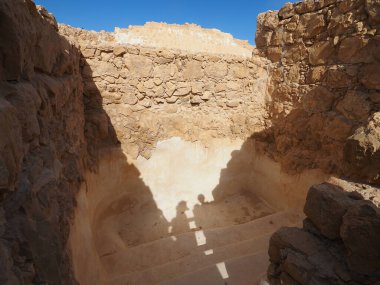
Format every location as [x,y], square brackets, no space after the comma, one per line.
[180,223]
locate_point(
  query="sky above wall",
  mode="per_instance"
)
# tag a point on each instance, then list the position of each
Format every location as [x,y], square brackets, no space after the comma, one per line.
[237,17]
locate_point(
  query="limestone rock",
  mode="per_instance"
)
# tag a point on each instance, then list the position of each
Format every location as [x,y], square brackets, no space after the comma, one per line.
[206,95]
[129,99]
[239,71]
[139,66]
[369,76]
[11,140]
[295,53]
[216,70]
[233,103]
[325,206]
[88,52]
[119,50]
[309,256]
[360,231]
[196,99]
[318,100]
[338,78]
[193,70]
[373,10]
[354,106]
[349,48]
[271,20]
[172,100]
[320,52]
[274,53]
[362,149]
[164,72]
[182,91]
[311,25]
[287,11]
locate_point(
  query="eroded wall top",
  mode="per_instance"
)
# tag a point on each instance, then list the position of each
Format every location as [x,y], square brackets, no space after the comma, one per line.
[189,38]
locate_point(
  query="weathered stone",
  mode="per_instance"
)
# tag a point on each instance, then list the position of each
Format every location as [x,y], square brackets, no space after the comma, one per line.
[338,78]
[157,81]
[147,103]
[354,106]
[129,99]
[239,71]
[193,70]
[369,76]
[316,74]
[349,47]
[271,20]
[119,50]
[206,95]
[306,6]
[165,72]
[233,103]
[360,231]
[263,38]
[311,25]
[362,149]
[318,100]
[325,206]
[274,53]
[88,52]
[171,99]
[132,150]
[295,238]
[294,74]
[220,87]
[216,70]
[295,53]
[321,52]
[375,97]
[182,91]
[339,127]
[287,11]
[196,100]
[233,85]
[196,87]
[139,66]
[373,10]
[149,84]
[99,69]
[166,54]
[133,50]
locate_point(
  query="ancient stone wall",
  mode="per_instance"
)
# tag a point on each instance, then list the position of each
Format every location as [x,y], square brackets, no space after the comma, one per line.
[324,86]
[42,145]
[316,105]
[152,94]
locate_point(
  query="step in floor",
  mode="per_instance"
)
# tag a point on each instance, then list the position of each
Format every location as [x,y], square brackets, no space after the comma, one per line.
[141,265]
[230,231]
[243,270]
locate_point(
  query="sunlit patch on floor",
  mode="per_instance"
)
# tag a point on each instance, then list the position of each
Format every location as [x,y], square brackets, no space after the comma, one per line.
[222,270]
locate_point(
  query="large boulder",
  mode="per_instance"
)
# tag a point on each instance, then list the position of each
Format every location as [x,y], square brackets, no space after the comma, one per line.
[360,232]
[362,151]
[339,242]
[325,206]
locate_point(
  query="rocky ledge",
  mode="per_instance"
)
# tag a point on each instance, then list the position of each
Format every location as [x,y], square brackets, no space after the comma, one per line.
[338,243]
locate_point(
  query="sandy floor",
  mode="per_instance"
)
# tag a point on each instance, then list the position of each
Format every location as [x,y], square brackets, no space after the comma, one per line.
[138,223]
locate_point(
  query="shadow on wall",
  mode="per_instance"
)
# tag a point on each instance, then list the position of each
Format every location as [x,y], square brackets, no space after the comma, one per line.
[117,210]
[112,186]
[317,134]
